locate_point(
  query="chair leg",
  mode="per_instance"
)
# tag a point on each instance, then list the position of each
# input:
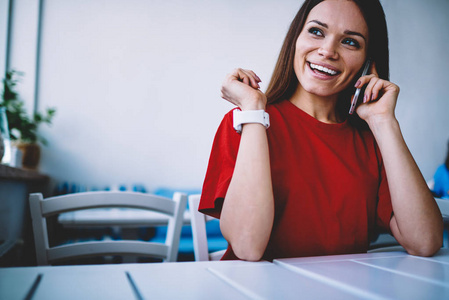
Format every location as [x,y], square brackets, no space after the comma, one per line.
[446,238]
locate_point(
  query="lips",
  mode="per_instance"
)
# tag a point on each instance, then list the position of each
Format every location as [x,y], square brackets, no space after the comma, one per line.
[323,69]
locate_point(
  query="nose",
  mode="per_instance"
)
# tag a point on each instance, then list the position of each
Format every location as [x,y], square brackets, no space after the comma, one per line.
[328,50]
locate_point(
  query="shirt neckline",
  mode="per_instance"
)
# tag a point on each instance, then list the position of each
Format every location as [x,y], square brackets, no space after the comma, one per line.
[310,120]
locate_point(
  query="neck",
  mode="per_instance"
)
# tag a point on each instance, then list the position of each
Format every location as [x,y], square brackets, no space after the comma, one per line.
[322,108]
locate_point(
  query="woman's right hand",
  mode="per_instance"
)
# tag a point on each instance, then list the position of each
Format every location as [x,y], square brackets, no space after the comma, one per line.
[241,88]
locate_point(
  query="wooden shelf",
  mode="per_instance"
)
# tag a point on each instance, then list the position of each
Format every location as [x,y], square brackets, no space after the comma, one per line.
[11,173]
[16,236]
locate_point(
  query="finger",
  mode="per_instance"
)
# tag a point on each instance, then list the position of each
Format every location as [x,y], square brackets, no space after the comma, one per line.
[247,77]
[364,80]
[378,86]
[369,88]
[240,75]
[253,78]
[246,80]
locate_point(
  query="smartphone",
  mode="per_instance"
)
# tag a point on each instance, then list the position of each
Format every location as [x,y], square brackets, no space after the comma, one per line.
[359,90]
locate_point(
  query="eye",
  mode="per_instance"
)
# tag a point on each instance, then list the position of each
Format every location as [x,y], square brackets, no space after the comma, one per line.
[315,31]
[351,42]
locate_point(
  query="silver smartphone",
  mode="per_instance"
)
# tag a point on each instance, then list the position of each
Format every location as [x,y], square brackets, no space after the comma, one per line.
[359,90]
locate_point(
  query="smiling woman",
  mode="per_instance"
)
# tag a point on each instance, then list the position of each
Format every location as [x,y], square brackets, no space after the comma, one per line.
[318,181]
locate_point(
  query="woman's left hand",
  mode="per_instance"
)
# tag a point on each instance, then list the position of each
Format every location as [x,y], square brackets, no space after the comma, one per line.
[379,100]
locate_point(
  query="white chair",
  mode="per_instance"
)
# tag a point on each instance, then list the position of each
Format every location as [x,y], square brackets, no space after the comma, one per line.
[198,222]
[385,243]
[42,208]
[431,184]
[443,205]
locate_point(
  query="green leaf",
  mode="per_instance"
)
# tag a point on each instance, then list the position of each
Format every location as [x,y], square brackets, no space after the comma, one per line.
[18,118]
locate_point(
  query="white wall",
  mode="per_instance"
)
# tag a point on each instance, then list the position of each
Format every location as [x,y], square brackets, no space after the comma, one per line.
[136,83]
[23,47]
[4,11]
[419,47]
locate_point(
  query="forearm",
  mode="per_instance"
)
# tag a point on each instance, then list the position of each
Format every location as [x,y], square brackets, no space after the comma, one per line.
[248,210]
[417,222]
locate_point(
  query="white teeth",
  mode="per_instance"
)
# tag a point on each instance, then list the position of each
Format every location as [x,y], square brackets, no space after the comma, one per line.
[323,69]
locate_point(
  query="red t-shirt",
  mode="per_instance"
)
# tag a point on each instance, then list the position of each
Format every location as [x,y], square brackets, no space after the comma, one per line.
[329,184]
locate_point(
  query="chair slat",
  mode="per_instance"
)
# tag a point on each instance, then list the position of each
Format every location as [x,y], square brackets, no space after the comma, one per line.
[101,248]
[71,202]
[42,208]
[199,234]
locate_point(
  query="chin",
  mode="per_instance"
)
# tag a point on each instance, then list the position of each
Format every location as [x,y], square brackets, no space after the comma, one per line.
[320,91]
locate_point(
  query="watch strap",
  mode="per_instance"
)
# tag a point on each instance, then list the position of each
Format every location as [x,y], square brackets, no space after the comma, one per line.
[250,116]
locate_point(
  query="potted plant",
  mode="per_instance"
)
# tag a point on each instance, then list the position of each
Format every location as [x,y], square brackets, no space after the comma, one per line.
[22,126]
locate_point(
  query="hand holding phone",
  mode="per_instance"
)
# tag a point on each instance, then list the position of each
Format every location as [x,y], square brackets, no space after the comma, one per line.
[359,90]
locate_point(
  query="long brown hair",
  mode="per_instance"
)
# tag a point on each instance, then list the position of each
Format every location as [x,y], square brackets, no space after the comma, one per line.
[283,82]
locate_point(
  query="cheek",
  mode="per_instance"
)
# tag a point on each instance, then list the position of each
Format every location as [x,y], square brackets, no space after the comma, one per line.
[297,61]
[356,65]
[305,45]
[302,51]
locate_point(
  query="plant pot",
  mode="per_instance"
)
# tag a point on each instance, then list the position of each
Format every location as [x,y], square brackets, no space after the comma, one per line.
[31,154]
[5,145]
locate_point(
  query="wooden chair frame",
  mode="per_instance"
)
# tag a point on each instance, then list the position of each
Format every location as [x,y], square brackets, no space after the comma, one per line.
[198,223]
[42,208]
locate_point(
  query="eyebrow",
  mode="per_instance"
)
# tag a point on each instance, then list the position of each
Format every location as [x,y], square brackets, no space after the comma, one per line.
[349,32]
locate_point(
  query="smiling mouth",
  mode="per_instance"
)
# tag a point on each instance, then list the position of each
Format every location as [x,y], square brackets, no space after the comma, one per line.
[322,70]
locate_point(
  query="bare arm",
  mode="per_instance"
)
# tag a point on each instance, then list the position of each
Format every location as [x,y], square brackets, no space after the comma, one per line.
[248,210]
[417,223]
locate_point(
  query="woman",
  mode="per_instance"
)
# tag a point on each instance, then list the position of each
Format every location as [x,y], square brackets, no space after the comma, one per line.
[315,182]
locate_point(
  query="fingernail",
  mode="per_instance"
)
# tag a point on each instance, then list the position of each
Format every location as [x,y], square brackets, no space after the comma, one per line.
[365,98]
[357,84]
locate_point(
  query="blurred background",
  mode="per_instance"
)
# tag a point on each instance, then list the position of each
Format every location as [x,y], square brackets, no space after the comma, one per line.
[136,83]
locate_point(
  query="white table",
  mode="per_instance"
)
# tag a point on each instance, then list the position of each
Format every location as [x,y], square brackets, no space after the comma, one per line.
[388,275]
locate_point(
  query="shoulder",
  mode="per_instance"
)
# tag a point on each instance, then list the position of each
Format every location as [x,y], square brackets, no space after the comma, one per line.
[226,138]
[228,117]
[280,111]
[226,126]
[278,106]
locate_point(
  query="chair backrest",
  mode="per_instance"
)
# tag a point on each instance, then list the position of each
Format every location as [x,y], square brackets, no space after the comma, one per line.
[431,184]
[443,205]
[42,208]
[199,234]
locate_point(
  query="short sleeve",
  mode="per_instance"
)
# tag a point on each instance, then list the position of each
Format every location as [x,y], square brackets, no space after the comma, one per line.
[220,168]
[384,208]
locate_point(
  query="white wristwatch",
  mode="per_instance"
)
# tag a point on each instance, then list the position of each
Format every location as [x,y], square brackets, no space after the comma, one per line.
[250,116]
